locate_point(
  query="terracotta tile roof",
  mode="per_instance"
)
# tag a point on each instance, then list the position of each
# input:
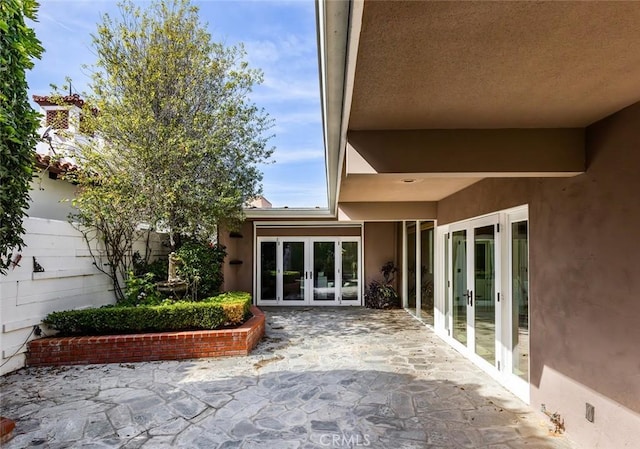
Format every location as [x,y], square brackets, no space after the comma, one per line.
[45,100]
[59,166]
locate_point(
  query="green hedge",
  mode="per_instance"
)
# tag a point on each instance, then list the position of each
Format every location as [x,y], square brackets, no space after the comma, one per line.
[211,313]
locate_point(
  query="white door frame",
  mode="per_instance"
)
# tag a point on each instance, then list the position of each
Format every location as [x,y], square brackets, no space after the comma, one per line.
[304,278]
[503,286]
[519,386]
[308,279]
[258,271]
[468,349]
[360,285]
[311,269]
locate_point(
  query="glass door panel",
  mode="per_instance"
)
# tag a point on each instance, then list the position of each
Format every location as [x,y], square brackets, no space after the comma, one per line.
[308,270]
[324,271]
[293,271]
[447,286]
[267,282]
[520,300]
[426,276]
[459,285]
[350,290]
[484,293]
[411,267]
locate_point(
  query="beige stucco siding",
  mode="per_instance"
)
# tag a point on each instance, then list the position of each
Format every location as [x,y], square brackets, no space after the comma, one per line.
[584,306]
[380,247]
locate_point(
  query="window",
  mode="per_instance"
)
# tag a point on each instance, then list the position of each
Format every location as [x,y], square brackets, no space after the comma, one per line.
[58,118]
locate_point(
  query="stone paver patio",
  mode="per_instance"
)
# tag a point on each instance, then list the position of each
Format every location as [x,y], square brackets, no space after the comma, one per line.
[322,378]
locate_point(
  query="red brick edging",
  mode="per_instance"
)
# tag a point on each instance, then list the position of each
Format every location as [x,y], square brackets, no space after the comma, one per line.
[6,429]
[147,347]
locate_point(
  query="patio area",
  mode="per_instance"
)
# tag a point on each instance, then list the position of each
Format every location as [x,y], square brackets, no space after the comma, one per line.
[322,377]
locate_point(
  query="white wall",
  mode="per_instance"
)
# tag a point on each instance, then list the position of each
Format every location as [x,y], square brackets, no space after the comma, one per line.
[50,198]
[70,281]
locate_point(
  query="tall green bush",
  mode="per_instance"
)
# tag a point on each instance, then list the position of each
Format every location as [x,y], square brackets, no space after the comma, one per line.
[201,266]
[18,121]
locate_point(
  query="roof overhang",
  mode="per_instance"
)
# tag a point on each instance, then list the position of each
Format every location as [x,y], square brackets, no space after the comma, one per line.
[430,97]
[338,30]
[281,213]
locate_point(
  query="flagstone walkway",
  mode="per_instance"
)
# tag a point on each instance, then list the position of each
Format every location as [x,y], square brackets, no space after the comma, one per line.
[322,378]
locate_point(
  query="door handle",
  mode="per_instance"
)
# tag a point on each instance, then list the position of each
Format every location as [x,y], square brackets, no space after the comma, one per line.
[469,296]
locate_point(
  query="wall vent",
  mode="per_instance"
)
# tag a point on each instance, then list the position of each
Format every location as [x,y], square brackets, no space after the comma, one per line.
[590,412]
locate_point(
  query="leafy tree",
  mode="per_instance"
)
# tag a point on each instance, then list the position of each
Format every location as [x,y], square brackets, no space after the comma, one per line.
[18,121]
[174,106]
[201,266]
[109,209]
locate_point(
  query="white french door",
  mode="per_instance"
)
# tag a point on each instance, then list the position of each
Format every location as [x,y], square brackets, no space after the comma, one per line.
[516,304]
[475,317]
[484,292]
[308,271]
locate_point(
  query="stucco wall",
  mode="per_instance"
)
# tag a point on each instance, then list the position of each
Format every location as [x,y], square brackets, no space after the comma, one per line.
[380,247]
[238,277]
[585,311]
[49,198]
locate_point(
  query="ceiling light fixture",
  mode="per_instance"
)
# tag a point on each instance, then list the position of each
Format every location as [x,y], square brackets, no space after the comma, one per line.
[408,180]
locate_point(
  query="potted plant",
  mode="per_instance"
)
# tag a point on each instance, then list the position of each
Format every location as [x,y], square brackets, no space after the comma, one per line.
[381,294]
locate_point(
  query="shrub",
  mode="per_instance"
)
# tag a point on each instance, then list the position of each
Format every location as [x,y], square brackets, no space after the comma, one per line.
[204,262]
[178,316]
[381,295]
[141,290]
[236,306]
[159,267]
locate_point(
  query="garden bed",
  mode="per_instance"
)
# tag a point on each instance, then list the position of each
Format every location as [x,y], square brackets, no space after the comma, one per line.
[148,346]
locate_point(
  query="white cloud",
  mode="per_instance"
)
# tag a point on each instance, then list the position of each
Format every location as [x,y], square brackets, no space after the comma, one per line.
[289,120]
[259,52]
[283,156]
[276,90]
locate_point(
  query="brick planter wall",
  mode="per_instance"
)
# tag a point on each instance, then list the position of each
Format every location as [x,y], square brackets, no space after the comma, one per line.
[147,347]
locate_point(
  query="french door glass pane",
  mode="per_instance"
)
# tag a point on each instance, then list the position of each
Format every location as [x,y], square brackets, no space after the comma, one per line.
[484,292]
[268,271]
[520,299]
[324,271]
[350,281]
[426,277]
[459,285]
[447,280]
[293,271]
[411,267]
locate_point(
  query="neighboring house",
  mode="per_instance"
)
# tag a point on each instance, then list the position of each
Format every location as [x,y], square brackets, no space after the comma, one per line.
[50,196]
[259,202]
[496,146]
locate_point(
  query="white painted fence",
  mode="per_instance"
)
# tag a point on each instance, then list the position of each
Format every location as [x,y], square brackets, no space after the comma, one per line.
[69,281]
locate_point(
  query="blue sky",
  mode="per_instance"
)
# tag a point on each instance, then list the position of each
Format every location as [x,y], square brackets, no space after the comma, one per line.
[280,39]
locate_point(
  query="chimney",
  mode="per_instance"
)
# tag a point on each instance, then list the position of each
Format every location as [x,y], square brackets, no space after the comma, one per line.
[61,112]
